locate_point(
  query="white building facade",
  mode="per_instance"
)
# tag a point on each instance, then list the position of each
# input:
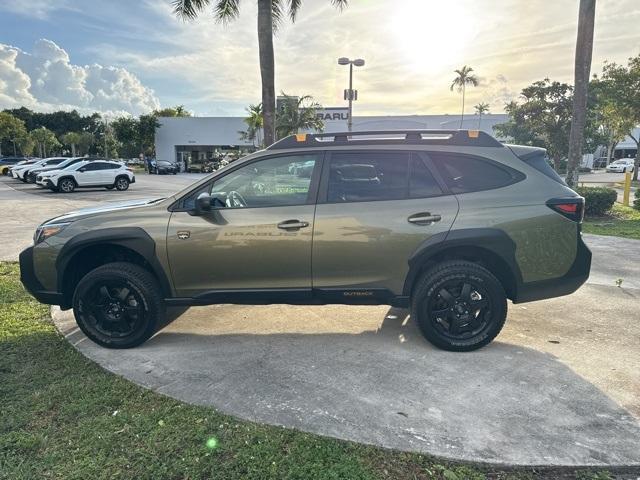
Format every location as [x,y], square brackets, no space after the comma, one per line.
[201,139]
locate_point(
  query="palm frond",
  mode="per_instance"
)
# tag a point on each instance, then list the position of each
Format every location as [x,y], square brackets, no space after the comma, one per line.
[227,10]
[294,6]
[188,9]
[277,13]
[340,4]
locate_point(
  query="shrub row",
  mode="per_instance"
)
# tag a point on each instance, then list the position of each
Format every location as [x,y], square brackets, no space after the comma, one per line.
[598,200]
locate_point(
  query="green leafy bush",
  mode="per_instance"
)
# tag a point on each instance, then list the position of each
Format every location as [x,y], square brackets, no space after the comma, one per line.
[636,202]
[598,200]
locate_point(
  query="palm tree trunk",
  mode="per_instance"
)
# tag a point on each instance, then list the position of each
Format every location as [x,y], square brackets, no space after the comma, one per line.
[73,149]
[636,163]
[267,69]
[462,114]
[584,50]
[479,120]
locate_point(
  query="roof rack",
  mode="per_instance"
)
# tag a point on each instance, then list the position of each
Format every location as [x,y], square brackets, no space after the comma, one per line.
[467,138]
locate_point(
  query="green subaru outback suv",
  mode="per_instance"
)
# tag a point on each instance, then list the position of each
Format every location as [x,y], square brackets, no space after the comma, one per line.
[450,224]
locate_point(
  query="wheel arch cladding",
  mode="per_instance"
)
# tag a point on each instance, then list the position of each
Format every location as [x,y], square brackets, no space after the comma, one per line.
[91,249]
[490,247]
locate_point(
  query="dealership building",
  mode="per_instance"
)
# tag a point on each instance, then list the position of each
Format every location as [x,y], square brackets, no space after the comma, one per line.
[200,139]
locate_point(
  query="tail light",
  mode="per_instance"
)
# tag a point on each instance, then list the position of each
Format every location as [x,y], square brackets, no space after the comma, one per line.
[572,208]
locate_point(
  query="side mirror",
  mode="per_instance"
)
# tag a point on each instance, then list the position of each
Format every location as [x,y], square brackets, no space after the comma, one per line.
[203,204]
[82,170]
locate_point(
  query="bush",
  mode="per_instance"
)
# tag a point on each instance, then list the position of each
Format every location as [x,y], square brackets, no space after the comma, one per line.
[636,202]
[598,200]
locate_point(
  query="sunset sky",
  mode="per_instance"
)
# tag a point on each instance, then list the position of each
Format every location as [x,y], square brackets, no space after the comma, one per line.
[121,55]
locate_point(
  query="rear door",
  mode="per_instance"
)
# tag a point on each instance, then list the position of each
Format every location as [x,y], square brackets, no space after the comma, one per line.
[375,209]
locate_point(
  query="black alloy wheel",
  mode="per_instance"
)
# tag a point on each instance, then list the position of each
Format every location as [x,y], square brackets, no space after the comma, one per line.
[459,305]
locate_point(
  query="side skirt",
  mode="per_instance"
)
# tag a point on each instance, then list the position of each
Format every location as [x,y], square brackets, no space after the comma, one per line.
[302,296]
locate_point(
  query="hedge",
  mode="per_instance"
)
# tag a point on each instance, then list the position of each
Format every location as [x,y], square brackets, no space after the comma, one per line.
[636,202]
[598,200]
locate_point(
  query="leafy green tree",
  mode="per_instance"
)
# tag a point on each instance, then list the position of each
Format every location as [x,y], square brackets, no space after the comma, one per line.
[71,139]
[480,110]
[127,133]
[11,129]
[298,114]
[543,119]
[463,78]
[270,14]
[147,133]
[254,122]
[177,111]
[45,140]
[624,100]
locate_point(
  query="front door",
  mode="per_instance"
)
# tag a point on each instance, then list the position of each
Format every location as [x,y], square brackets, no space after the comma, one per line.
[90,174]
[375,209]
[257,237]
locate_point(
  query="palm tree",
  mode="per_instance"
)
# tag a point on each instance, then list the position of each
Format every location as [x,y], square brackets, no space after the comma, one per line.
[481,109]
[255,123]
[270,14]
[298,114]
[584,50]
[464,77]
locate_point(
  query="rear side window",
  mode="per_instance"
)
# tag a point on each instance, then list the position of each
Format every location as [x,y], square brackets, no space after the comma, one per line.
[539,162]
[464,174]
[368,176]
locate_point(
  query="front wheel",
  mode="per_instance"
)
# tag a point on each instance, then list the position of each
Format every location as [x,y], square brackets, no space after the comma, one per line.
[122,184]
[119,305]
[66,185]
[459,306]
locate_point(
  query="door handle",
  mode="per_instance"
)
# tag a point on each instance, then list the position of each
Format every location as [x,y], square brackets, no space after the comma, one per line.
[292,225]
[424,218]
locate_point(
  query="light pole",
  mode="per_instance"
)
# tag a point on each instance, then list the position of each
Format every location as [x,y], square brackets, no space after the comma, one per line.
[350,94]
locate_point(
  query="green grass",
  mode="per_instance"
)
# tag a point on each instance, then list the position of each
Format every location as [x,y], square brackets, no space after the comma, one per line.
[621,222]
[63,417]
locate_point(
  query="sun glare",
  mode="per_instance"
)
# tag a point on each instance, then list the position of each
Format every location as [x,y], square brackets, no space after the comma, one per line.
[432,34]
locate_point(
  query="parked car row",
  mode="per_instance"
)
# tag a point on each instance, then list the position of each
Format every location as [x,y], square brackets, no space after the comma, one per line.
[64,174]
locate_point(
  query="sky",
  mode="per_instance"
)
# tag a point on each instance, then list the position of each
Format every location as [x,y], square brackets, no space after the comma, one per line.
[133,56]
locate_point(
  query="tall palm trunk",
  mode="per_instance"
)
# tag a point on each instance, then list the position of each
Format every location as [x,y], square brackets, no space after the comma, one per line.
[267,70]
[584,50]
[636,163]
[462,114]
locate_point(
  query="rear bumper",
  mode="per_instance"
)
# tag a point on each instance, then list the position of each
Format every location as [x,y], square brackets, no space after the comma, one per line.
[31,282]
[557,287]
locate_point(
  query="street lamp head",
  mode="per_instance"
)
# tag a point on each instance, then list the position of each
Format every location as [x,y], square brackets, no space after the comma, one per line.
[344,61]
[358,62]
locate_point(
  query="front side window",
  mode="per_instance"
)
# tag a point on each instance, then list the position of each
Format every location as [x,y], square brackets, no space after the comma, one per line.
[464,174]
[276,181]
[92,167]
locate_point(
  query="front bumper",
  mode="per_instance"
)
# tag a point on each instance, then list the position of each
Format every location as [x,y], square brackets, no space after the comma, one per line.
[31,282]
[557,287]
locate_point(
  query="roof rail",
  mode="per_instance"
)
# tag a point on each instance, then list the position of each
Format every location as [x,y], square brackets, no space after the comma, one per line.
[467,138]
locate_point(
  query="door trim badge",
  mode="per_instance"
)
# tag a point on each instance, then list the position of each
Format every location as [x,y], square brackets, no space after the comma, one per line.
[184,234]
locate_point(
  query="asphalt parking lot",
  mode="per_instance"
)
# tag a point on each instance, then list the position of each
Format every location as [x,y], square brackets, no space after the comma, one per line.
[559,386]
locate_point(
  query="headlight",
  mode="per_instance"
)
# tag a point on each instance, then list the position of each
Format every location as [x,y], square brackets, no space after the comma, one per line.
[45,231]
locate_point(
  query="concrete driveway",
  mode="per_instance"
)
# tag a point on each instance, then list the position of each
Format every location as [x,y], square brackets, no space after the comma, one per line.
[559,386]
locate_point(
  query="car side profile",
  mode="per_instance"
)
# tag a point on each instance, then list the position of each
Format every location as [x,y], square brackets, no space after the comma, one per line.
[447,223]
[623,165]
[88,174]
[33,172]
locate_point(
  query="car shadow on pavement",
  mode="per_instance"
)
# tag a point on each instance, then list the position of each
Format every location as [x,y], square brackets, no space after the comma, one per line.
[379,382]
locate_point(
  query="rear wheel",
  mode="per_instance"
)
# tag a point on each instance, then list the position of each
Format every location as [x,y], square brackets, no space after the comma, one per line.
[119,305]
[459,306]
[122,183]
[66,185]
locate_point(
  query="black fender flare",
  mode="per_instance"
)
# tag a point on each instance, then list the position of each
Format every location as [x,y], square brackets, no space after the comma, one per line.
[493,240]
[132,238]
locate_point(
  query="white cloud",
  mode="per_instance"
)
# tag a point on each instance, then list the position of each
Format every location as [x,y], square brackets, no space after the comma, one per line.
[45,79]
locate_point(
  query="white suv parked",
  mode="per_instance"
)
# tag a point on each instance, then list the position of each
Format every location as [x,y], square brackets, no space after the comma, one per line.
[21,171]
[88,174]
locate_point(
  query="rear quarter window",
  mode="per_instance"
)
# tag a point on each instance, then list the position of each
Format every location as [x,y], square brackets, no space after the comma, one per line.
[539,162]
[465,173]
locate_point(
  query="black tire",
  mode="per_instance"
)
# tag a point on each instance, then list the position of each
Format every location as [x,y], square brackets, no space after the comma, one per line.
[66,185]
[459,306]
[121,184]
[119,305]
